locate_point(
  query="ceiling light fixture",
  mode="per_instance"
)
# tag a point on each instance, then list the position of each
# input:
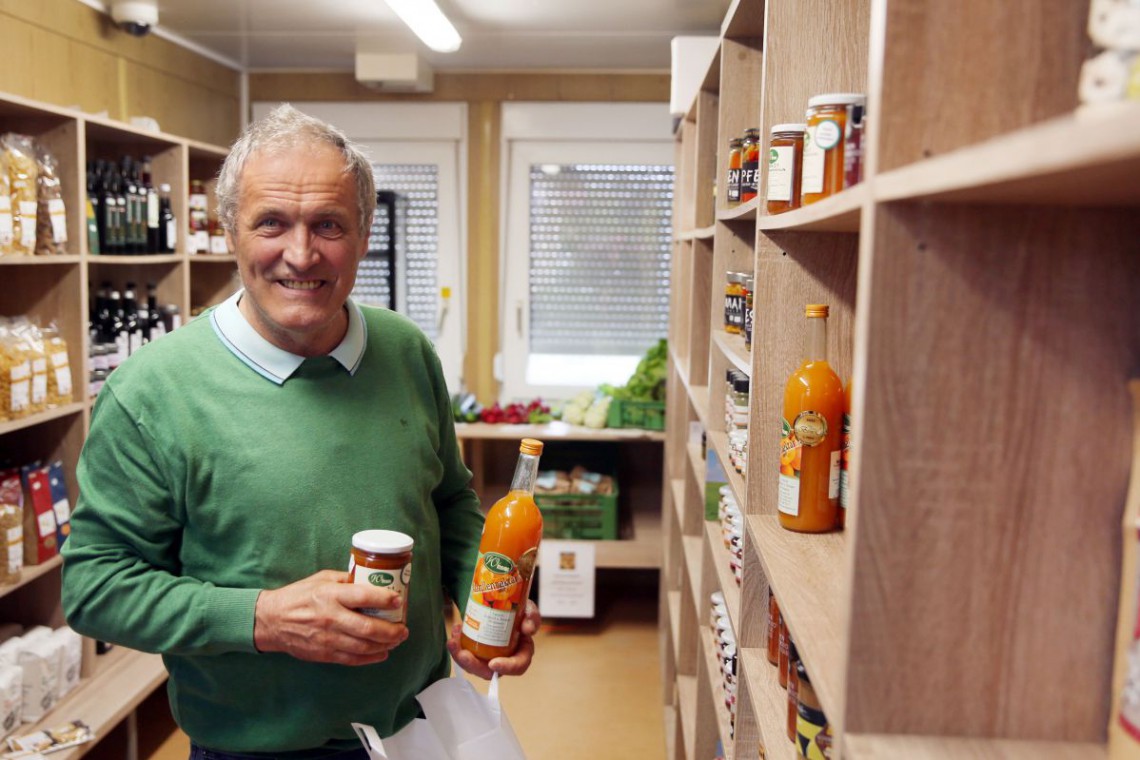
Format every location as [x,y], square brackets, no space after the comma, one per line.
[428,22]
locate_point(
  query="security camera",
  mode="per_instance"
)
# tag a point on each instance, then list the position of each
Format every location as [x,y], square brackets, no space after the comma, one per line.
[135,17]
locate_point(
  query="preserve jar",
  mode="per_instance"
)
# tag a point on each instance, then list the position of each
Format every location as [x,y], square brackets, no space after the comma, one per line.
[383,558]
[750,164]
[785,155]
[732,179]
[733,302]
[823,170]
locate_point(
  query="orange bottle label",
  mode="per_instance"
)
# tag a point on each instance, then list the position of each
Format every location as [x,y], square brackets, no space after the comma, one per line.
[497,592]
[791,457]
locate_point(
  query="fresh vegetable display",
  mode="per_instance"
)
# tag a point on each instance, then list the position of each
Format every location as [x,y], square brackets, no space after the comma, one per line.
[647,383]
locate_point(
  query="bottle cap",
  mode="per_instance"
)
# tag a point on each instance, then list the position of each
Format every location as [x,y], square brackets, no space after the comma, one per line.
[382,541]
[530,446]
[816,310]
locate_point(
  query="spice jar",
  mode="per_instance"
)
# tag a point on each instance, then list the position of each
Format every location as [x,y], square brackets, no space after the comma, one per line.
[785,156]
[383,558]
[827,119]
[732,180]
[813,734]
[750,164]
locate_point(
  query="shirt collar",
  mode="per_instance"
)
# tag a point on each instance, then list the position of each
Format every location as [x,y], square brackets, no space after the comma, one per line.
[277,364]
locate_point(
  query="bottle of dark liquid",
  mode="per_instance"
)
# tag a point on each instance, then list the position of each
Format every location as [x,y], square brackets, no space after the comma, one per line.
[94,244]
[108,207]
[155,326]
[152,208]
[119,232]
[167,224]
[131,319]
[130,194]
[116,329]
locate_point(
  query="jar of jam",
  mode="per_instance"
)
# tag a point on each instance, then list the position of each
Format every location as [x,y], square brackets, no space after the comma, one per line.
[732,179]
[748,286]
[827,119]
[383,558]
[785,156]
[733,302]
[750,164]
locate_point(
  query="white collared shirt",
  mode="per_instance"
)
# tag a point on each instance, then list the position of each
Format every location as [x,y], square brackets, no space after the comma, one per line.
[277,364]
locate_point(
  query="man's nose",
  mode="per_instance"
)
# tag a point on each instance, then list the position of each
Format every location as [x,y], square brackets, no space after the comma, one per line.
[299,251]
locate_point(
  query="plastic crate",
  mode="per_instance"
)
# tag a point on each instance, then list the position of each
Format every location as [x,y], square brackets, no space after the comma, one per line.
[648,415]
[579,516]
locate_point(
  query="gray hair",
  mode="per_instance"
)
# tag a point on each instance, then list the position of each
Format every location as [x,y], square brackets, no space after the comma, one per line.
[284,127]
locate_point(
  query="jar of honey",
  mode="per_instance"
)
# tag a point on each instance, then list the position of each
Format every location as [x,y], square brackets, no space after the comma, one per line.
[823,167]
[732,179]
[750,165]
[785,156]
[383,558]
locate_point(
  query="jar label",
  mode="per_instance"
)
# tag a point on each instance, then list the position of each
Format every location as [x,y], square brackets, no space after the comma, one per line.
[781,170]
[788,499]
[827,134]
[811,178]
[813,735]
[844,462]
[833,476]
[393,579]
[733,183]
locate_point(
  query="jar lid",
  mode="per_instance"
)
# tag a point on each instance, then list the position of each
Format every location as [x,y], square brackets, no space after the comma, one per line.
[816,310]
[736,142]
[837,99]
[789,128]
[382,541]
[752,132]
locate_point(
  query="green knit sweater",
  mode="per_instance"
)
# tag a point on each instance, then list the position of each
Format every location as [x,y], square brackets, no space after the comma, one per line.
[202,482]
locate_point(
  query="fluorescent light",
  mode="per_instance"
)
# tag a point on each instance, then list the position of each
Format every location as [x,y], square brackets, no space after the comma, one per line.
[428,22]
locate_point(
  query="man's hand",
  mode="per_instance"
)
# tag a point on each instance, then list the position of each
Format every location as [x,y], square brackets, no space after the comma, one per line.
[515,665]
[316,619]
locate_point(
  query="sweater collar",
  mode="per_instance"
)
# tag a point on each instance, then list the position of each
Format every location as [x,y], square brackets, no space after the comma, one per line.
[277,364]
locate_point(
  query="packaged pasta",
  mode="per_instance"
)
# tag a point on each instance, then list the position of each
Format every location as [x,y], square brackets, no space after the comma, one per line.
[11,526]
[51,216]
[59,367]
[22,174]
[5,206]
[32,339]
[15,375]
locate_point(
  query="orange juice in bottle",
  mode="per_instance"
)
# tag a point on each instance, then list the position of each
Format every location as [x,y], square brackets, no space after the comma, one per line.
[810,436]
[845,457]
[508,552]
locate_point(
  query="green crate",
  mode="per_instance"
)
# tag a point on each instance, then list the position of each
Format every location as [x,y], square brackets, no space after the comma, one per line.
[648,415]
[579,516]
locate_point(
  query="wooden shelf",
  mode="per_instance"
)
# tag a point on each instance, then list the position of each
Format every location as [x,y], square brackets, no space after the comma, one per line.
[697,463]
[674,602]
[745,212]
[213,258]
[642,551]
[701,233]
[769,702]
[725,579]
[687,697]
[556,430]
[692,546]
[711,653]
[678,486]
[38,419]
[838,213]
[16,260]
[30,573]
[123,678]
[807,572]
[700,398]
[719,442]
[876,747]
[732,346]
[147,258]
[1053,162]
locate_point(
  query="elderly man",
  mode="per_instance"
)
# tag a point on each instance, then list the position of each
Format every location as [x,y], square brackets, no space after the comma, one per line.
[229,464]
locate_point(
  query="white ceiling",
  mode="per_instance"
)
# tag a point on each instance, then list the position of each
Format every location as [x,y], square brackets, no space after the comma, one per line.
[600,35]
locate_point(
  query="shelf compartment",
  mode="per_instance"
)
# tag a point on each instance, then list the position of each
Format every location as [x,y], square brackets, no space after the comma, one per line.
[674,601]
[719,443]
[725,579]
[687,698]
[806,572]
[732,346]
[711,653]
[699,233]
[692,548]
[884,747]
[641,551]
[145,258]
[1053,162]
[769,702]
[30,574]
[838,213]
[743,213]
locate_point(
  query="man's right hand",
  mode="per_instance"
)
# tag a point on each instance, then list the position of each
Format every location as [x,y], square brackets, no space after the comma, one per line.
[317,619]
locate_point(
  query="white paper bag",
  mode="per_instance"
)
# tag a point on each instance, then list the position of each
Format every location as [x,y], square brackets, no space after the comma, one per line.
[461,724]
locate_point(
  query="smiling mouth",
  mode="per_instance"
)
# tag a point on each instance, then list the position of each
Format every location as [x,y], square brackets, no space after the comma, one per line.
[301,284]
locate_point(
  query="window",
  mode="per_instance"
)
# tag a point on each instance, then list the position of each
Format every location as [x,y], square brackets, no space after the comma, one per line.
[588,244]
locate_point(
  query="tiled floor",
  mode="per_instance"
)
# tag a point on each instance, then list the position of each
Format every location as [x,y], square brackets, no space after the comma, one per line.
[594,689]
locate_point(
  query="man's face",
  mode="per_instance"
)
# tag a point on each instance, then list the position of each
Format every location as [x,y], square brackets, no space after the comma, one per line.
[297,241]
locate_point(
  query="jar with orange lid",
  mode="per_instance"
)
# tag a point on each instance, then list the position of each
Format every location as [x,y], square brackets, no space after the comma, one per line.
[750,164]
[383,558]
[732,178]
[827,121]
[785,155]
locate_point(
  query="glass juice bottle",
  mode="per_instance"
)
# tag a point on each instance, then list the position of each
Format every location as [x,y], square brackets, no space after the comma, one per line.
[810,436]
[508,552]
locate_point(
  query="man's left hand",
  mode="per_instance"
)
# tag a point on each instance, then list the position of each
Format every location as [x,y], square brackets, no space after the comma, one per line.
[515,665]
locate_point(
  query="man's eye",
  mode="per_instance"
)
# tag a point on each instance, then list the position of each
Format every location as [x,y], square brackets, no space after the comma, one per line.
[269,224]
[328,226]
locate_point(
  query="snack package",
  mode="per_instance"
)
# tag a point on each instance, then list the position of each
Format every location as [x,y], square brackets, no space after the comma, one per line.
[40,543]
[60,503]
[11,698]
[22,174]
[51,215]
[15,375]
[51,740]
[59,367]
[11,526]
[10,651]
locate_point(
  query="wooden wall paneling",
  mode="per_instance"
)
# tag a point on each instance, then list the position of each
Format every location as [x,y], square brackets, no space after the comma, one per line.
[952,79]
[706,173]
[702,295]
[741,60]
[482,294]
[1000,341]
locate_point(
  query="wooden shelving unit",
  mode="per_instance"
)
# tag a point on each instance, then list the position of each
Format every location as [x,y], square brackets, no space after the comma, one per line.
[56,289]
[982,282]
